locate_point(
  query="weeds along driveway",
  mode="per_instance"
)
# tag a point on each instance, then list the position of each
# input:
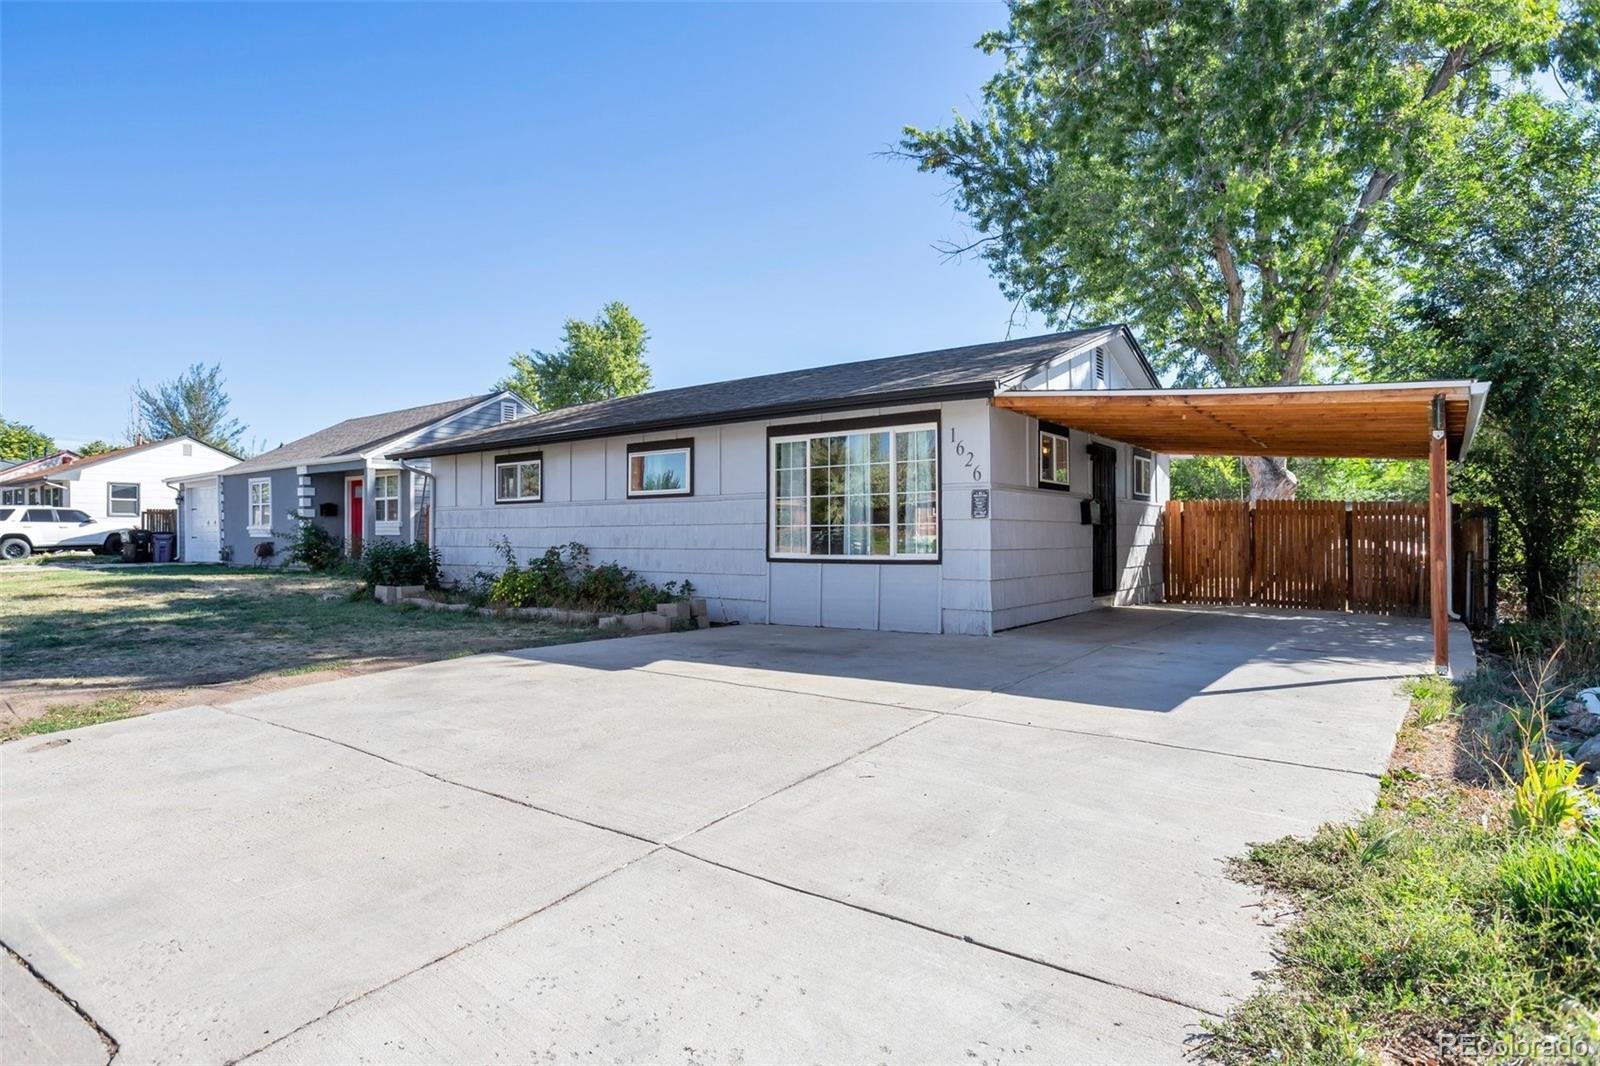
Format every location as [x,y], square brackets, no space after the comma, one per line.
[753,843]
[136,636]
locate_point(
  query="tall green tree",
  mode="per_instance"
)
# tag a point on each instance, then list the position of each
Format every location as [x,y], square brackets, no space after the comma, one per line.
[1499,247]
[195,404]
[597,360]
[95,447]
[1211,170]
[19,441]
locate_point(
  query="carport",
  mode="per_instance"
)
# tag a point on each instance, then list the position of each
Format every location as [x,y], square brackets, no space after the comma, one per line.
[1435,420]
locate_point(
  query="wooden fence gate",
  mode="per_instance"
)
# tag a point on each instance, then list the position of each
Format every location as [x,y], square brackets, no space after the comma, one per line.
[1321,554]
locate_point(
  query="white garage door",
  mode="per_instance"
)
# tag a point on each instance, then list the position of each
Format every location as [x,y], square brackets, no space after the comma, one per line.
[202,535]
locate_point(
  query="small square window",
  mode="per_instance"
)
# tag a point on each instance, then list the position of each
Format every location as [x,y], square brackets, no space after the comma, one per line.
[661,469]
[122,499]
[519,478]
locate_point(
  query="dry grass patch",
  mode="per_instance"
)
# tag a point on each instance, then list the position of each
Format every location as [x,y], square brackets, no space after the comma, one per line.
[76,635]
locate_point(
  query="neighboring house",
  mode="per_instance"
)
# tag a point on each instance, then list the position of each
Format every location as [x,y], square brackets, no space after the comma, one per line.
[886,494]
[337,477]
[123,484]
[14,486]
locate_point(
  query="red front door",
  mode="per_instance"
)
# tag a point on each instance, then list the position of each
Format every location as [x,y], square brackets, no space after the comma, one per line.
[353,507]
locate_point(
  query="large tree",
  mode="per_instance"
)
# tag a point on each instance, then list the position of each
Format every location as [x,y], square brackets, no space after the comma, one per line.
[19,441]
[195,404]
[1211,170]
[597,360]
[1499,247]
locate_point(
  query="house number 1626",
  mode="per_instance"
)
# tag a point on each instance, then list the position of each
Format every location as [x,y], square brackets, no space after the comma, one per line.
[967,458]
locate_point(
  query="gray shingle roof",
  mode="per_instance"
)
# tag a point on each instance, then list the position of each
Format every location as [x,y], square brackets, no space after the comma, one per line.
[355,435]
[943,374]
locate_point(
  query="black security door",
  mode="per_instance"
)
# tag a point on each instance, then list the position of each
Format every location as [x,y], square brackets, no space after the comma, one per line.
[1104,485]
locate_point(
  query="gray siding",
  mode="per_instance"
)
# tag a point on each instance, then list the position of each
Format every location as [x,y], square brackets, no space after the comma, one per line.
[236,514]
[1041,552]
[1029,561]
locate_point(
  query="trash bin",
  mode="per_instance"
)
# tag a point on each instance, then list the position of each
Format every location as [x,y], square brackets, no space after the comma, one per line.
[136,546]
[163,546]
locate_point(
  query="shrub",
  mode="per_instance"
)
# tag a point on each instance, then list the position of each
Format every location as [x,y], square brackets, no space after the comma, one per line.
[313,545]
[1549,796]
[387,562]
[564,577]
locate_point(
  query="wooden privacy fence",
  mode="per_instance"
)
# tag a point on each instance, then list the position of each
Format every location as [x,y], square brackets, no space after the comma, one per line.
[1323,554]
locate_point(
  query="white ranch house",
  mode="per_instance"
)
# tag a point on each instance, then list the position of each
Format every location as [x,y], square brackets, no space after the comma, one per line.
[125,484]
[886,494]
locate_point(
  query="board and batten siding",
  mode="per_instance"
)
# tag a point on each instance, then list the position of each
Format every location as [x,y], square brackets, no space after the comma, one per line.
[1027,562]
[1041,557]
[717,538]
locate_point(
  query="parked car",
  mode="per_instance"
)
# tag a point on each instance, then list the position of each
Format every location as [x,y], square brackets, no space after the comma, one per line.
[25,530]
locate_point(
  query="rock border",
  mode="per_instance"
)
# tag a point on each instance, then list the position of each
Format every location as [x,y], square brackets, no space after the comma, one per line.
[666,616]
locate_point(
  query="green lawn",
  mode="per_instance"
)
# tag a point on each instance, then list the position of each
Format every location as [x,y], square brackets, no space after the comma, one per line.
[84,644]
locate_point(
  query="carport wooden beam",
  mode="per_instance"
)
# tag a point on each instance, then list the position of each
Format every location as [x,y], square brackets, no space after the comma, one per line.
[1433,420]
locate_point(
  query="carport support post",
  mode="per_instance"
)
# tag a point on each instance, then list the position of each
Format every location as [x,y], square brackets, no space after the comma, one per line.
[1438,533]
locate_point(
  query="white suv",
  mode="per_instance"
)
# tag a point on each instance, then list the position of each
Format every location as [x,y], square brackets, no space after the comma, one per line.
[25,530]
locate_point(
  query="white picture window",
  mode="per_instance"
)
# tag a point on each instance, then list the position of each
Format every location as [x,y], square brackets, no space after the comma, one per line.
[386,501]
[1055,458]
[661,469]
[122,499]
[11,496]
[518,479]
[869,493]
[260,506]
[1144,473]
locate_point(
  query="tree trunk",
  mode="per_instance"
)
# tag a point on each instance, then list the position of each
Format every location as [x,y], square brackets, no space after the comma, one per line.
[1270,478]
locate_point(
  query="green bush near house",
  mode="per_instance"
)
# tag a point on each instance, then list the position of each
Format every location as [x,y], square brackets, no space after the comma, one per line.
[314,547]
[564,577]
[387,562]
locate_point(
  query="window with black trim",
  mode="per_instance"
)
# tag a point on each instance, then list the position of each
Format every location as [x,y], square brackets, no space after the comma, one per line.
[1144,473]
[858,493]
[1055,457]
[661,468]
[519,478]
[122,499]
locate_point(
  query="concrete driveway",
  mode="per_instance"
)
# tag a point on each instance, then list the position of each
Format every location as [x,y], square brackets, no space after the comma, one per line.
[752,843]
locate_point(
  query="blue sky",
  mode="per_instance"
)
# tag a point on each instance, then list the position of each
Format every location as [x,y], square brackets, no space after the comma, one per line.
[357,208]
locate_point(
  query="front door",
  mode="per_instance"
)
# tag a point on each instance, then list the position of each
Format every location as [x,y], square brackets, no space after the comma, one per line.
[353,509]
[1103,483]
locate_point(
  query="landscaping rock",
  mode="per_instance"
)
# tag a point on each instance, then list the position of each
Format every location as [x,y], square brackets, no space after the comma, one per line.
[610,621]
[673,612]
[1588,753]
[395,593]
[702,621]
[697,606]
[646,622]
[1584,723]
[1590,698]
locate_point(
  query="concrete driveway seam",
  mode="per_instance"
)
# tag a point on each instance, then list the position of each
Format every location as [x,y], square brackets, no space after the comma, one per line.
[106,1039]
[958,713]
[674,846]
[962,937]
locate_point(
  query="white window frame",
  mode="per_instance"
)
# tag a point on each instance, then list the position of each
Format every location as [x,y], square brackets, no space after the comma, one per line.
[376,499]
[13,497]
[111,499]
[1146,459]
[259,505]
[685,448]
[1059,439]
[804,435]
[535,460]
